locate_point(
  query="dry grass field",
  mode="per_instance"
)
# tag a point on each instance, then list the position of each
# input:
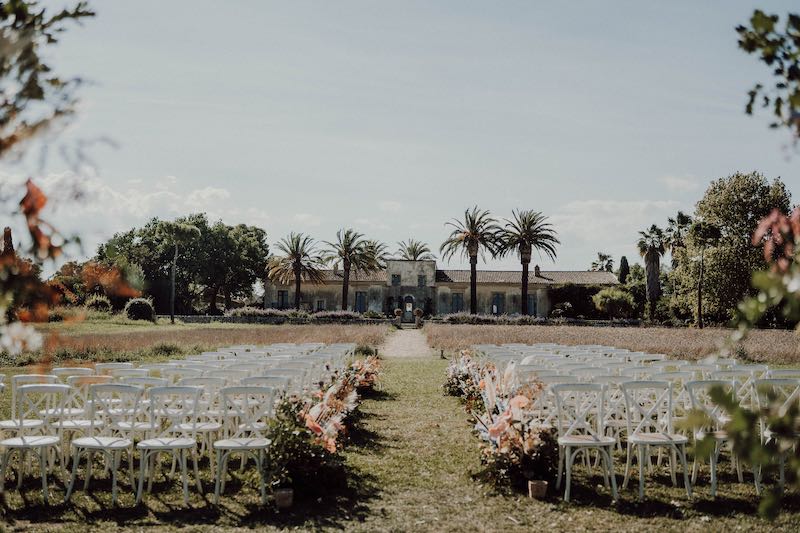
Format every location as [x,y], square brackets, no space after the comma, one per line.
[773,346]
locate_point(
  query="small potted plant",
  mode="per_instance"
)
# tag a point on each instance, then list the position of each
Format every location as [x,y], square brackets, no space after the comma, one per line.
[398,314]
[418,317]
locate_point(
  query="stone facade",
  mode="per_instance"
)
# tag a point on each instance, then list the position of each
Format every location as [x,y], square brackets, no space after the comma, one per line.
[419,284]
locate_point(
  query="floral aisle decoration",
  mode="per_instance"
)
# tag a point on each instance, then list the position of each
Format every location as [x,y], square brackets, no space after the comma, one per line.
[517,446]
[308,432]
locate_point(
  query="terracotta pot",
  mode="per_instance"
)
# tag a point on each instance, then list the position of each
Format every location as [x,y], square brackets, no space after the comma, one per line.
[537,489]
[284,498]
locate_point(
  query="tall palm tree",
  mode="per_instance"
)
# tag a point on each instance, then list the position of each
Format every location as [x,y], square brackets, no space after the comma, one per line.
[676,232]
[354,253]
[704,234]
[299,261]
[413,250]
[528,230]
[377,251]
[603,263]
[652,245]
[174,235]
[474,235]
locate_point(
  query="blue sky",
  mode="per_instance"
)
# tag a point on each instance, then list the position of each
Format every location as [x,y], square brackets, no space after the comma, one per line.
[394,117]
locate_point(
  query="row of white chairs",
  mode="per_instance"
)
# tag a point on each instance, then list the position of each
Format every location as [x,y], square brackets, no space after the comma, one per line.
[175,408]
[619,381]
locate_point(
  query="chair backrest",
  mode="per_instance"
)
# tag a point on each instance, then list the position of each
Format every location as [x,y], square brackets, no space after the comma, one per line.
[700,397]
[210,398]
[784,390]
[66,371]
[26,379]
[105,368]
[173,375]
[113,404]
[251,407]
[784,373]
[743,380]
[80,387]
[648,406]
[579,409]
[144,382]
[41,401]
[174,410]
[128,372]
[279,383]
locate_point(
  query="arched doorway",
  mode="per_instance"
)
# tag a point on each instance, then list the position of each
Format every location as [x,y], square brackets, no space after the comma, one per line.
[408,308]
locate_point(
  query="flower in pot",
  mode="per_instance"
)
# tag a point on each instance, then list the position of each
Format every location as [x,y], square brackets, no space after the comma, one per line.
[398,312]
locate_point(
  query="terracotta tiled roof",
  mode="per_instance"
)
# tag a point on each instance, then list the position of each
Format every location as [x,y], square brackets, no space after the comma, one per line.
[374,277]
[551,277]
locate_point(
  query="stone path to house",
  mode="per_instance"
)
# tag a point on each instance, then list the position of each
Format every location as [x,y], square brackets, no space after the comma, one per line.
[406,343]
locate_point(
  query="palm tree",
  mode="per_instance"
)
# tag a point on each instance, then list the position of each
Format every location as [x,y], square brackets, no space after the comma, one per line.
[527,231]
[299,261]
[677,229]
[704,234]
[355,254]
[173,235]
[412,250]
[377,252]
[603,263]
[652,245]
[470,237]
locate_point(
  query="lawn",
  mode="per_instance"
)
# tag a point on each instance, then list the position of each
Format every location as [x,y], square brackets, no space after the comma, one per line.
[779,347]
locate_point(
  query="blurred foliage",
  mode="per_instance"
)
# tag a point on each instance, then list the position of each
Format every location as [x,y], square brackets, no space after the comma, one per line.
[778,47]
[615,302]
[34,97]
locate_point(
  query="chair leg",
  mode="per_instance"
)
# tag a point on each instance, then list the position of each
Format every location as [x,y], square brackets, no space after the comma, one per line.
[43,468]
[142,467]
[218,481]
[197,472]
[641,450]
[262,477]
[560,467]
[569,458]
[609,461]
[89,464]
[152,470]
[184,477]
[131,472]
[628,459]
[76,455]
[115,460]
[672,463]
[685,472]
[3,466]
[714,471]
[21,472]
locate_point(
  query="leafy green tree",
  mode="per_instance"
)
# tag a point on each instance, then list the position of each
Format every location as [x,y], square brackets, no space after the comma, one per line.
[34,97]
[471,237]
[624,270]
[525,232]
[603,263]
[300,261]
[615,302]
[703,235]
[413,250]
[354,253]
[174,235]
[377,251]
[652,245]
[779,49]
[734,204]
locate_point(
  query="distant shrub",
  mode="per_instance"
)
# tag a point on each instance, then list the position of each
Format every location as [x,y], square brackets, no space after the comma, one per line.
[257,311]
[373,314]
[616,303]
[62,313]
[337,315]
[140,309]
[295,313]
[98,302]
[364,350]
[466,318]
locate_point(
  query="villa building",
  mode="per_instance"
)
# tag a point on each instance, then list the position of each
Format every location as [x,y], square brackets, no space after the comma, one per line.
[419,284]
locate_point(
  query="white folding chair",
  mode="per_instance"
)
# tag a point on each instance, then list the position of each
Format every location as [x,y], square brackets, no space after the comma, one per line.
[786,391]
[648,406]
[105,368]
[251,408]
[112,406]
[35,400]
[580,414]
[66,371]
[15,425]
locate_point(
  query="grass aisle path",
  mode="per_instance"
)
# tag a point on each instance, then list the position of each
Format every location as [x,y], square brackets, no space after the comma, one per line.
[419,453]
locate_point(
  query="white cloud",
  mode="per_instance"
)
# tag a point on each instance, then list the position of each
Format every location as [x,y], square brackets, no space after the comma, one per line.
[367,224]
[390,206]
[679,184]
[207,196]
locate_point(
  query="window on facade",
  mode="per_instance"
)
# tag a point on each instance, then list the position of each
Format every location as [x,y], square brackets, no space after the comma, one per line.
[320,305]
[456,302]
[395,280]
[422,281]
[361,302]
[532,304]
[283,299]
[498,303]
